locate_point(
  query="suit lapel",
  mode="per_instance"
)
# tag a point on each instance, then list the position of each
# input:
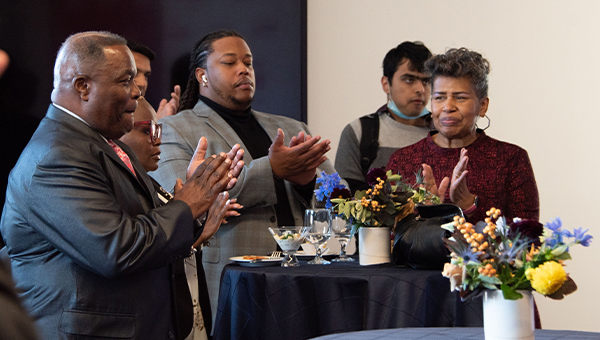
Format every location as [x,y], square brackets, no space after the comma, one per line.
[268,125]
[220,126]
[75,124]
[142,178]
[271,125]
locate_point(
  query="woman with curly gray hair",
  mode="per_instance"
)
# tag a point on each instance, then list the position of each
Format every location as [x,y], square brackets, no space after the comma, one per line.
[499,174]
[474,171]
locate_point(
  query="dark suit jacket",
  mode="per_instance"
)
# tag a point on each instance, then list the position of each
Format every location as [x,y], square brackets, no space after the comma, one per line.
[90,247]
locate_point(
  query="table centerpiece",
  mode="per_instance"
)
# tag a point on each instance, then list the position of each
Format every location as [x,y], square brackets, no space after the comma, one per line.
[373,212]
[504,262]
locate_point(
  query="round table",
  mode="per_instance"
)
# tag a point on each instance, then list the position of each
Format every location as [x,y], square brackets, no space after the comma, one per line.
[457,333]
[312,300]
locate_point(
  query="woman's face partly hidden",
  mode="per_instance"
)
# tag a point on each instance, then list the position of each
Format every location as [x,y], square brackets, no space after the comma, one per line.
[139,138]
[455,107]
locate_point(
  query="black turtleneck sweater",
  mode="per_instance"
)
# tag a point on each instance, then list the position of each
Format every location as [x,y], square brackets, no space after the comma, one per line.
[257,143]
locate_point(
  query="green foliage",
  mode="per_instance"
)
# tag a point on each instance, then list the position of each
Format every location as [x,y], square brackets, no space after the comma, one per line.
[380,205]
[510,293]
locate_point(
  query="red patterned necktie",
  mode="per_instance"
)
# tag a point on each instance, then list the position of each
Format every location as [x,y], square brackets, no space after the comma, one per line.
[122,155]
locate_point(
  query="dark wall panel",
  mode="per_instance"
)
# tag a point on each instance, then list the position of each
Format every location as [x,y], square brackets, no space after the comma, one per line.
[32,31]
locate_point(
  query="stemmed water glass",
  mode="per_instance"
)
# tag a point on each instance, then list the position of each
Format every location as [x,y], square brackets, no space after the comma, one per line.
[319,223]
[343,230]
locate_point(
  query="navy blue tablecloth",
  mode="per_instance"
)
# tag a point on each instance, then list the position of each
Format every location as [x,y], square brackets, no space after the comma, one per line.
[451,334]
[309,301]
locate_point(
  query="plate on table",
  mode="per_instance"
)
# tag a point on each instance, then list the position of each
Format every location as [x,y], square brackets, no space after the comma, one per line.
[307,250]
[256,260]
[310,254]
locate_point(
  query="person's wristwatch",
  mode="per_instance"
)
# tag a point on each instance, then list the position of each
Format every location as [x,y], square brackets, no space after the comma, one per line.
[472,208]
[275,177]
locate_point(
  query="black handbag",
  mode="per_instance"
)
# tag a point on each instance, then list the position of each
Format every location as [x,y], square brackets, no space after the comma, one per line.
[419,239]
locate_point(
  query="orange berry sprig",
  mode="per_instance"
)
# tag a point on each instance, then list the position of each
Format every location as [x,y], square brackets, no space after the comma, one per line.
[490,228]
[376,207]
[364,201]
[495,213]
[376,188]
[475,239]
[487,270]
[370,203]
[477,242]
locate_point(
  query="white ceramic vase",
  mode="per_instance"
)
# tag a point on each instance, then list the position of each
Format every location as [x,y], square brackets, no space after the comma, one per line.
[508,319]
[374,245]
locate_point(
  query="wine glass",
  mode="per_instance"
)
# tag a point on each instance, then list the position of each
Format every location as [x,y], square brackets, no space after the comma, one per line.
[343,230]
[289,240]
[319,223]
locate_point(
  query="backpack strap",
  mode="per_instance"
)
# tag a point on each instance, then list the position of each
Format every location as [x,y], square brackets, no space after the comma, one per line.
[369,141]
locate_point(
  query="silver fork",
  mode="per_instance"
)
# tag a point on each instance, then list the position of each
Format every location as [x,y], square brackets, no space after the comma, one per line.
[275,254]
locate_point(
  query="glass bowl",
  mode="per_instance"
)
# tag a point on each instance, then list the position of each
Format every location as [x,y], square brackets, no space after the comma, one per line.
[289,240]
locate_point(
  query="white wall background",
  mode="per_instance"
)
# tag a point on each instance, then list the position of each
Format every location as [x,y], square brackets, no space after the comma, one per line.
[544,96]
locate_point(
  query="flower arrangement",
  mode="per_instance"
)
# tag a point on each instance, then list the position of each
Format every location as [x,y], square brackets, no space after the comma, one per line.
[388,199]
[521,256]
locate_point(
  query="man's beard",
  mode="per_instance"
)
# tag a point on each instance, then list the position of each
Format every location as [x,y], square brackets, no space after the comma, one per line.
[231,99]
[240,103]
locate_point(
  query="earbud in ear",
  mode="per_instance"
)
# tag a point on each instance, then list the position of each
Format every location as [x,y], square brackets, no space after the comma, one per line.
[204,78]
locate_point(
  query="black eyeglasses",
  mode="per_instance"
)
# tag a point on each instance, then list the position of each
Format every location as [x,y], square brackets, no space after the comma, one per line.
[155,129]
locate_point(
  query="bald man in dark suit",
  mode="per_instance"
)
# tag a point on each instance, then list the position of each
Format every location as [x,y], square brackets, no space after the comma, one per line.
[90,244]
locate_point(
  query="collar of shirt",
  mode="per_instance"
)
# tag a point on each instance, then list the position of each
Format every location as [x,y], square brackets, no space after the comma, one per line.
[76,116]
[222,110]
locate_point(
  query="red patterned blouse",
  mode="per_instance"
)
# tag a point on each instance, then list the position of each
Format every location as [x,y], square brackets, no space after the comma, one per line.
[500,174]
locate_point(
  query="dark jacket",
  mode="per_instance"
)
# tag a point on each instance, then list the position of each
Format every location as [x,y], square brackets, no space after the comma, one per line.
[90,247]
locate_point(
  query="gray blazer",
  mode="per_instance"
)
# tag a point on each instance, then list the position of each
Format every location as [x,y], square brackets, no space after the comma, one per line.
[255,189]
[89,246]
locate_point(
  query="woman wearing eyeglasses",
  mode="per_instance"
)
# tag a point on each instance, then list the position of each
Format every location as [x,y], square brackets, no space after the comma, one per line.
[145,139]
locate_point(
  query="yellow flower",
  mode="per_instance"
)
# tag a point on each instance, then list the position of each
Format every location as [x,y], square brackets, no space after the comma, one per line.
[529,273]
[547,278]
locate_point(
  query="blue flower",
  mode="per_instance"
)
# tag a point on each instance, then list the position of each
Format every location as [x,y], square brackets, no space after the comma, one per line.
[581,237]
[557,233]
[467,254]
[510,250]
[470,256]
[555,225]
[328,184]
[328,204]
[554,240]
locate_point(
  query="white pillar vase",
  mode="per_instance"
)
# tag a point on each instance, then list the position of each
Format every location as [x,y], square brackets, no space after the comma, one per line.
[508,319]
[374,245]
